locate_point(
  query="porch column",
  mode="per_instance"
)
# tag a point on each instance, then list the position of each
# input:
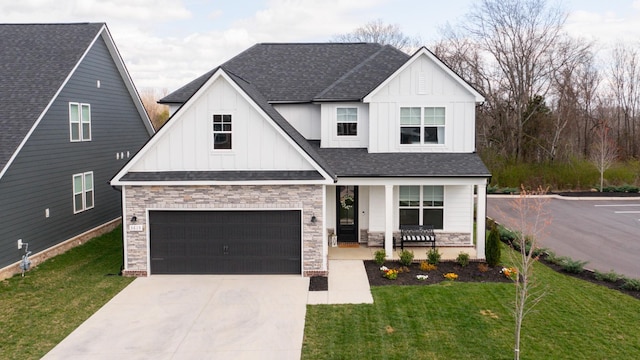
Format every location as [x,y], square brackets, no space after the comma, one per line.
[481,218]
[388,223]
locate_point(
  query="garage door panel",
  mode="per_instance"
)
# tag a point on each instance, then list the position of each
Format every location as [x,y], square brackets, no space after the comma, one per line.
[225,242]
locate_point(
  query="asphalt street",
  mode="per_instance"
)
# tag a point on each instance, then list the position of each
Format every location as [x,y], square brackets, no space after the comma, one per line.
[606,233]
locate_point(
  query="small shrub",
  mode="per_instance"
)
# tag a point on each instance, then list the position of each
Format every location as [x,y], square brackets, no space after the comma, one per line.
[403,269]
[507,236]
[553,258]
[573,266]
[379,256]
[433,256]
[450,276]
[493,247]
[610,276]
[631,284]
[406,257]
[483,268]
[425,266]
[463,259]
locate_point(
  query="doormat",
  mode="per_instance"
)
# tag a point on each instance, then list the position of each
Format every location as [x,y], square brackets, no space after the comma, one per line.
[348,245]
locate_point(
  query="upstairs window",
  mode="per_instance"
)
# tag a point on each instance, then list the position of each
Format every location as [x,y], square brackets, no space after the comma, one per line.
[222,132]
[422,126]
[422,205]
[80,121]
[82,192]
[347,119]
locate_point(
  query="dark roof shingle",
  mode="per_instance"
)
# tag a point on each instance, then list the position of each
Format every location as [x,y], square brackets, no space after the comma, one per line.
[221,175]
[358,162]
[35,60]
[307,72]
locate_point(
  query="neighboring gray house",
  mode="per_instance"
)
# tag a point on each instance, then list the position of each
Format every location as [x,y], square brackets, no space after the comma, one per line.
[70,117]
[268,154]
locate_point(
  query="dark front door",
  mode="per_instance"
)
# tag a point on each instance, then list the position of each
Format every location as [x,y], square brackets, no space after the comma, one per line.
[225,242]
[347,213]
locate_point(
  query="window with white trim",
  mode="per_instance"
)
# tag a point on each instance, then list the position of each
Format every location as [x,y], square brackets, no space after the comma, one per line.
[80,121]
[82,192]
[422,125]
[422,205]
[222,132]
[347,119]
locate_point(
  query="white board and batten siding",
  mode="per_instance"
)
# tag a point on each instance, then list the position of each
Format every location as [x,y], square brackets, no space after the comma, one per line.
[188,146]
[329,136]
[458,214]
[423,83]
[303,117]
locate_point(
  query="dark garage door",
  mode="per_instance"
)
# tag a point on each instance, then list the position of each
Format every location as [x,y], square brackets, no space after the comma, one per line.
[225,242]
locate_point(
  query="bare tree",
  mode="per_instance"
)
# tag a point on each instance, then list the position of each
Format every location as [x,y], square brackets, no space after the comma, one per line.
[604,152]
[158,114]
[378,32]
[532,220]
[624,82]
[525,46]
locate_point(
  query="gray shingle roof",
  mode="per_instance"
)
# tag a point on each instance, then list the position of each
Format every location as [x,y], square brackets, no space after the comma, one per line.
[221,175]
[302,73]
[358,162]
[35,60]
[307,72]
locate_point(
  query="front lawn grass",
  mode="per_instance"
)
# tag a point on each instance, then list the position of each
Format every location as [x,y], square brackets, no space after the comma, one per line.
[575,320]
[39,310]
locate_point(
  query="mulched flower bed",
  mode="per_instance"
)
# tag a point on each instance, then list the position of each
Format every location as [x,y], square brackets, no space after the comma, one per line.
[589,276]
[469,273]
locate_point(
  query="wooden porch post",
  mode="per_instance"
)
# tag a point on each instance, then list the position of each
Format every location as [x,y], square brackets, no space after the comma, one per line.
[388,224]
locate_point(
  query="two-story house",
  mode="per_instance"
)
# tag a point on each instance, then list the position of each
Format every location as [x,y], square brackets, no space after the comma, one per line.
[70,118]
[268,154]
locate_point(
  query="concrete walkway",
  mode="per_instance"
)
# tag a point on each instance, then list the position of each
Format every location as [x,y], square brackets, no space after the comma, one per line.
[195,317]
[348,284]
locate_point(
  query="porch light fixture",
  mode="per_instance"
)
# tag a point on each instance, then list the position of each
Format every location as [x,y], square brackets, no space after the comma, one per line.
[313,218]
[134,219]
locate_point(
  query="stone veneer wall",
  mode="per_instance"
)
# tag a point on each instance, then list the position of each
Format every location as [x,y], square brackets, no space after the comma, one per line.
[305,197]
[376,238]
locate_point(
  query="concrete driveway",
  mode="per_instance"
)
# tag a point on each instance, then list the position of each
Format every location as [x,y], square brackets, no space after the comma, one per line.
[604,232]
[195,317]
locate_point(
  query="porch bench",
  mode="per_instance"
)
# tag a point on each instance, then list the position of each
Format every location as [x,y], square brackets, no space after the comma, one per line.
[416,234]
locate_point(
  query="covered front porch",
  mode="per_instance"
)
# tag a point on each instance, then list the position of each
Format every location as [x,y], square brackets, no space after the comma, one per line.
[370,211]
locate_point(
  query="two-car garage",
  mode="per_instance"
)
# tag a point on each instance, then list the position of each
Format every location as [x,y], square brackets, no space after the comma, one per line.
[225,242]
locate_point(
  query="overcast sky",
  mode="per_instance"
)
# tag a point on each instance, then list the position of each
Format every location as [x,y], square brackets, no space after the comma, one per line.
[167,43]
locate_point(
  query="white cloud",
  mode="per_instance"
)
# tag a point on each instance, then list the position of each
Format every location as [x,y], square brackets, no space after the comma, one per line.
[606,28]
[96,11]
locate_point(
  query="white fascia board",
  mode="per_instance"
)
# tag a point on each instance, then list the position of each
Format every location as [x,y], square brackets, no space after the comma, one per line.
[423,51]
[381,181]
[46,109]
[124,74]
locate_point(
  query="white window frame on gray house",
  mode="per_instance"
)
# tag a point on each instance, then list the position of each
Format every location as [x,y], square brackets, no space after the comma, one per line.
[427,199]
[83,192]
[222,126]
[422,125]
[79,122]
[347,121]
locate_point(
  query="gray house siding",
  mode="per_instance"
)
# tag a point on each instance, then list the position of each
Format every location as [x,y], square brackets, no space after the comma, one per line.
[41,175]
